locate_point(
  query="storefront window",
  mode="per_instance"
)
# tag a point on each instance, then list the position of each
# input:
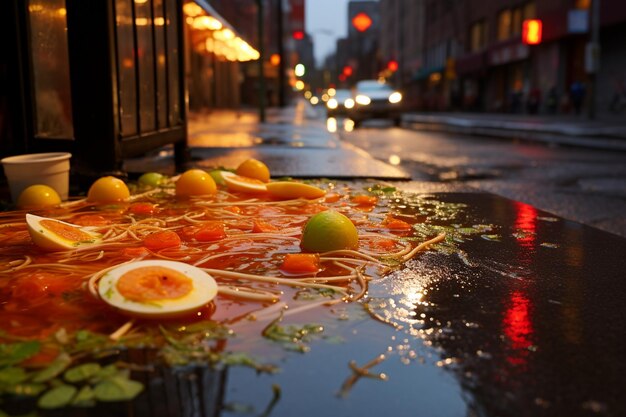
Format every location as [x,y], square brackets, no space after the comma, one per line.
[505,20]
[171,19]
[145,60]
[478,32]
[126,67]
[582,4]
[51,72]
[517,22]
[530,11]
[147,48]
[161,63]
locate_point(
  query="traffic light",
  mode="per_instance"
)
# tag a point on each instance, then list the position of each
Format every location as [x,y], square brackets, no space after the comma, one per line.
[362,22]
[392,65]
[347,71]
[531,31]
[298,35]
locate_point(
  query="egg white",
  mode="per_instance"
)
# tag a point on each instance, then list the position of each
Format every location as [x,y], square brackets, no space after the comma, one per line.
[48,240]
[204,290]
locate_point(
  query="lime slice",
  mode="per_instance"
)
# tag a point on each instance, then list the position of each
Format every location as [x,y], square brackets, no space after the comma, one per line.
[327,231]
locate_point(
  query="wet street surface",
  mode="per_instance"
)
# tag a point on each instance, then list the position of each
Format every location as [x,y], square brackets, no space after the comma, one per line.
[584,185]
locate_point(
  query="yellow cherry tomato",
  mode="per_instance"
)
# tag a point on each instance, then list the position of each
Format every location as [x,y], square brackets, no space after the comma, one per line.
[108,190]
[38,196]
[195,182]
[253,168]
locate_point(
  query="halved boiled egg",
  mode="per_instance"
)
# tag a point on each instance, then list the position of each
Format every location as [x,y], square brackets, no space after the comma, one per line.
[236,182]
[157,288]
[291,189]
[54,235]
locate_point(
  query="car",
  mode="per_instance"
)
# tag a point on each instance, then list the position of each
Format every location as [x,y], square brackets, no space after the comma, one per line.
[340,103]
[376,100]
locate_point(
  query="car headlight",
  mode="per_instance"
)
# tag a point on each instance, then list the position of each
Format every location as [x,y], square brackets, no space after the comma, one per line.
[363,100]
[349,103]
[395,97]
[332,104]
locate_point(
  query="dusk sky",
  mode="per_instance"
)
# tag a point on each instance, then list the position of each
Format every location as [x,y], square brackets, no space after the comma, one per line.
[326,21]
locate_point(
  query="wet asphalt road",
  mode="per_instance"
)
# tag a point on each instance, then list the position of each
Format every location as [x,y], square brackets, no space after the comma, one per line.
[584,185]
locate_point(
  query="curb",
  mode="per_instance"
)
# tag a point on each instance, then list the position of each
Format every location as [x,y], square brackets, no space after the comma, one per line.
[513,131]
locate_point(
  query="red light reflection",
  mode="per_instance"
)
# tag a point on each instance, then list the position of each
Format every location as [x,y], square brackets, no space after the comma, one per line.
[526,224]
[518,328]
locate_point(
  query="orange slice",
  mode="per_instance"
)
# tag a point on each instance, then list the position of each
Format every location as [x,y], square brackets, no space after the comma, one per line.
[236,182]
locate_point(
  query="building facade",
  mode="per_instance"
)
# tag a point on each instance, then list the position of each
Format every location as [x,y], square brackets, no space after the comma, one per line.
[470,55]
[357,56]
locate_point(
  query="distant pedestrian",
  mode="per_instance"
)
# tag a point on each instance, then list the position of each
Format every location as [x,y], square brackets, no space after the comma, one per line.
[534,99]
[618,102]
[552,100]
[577,93]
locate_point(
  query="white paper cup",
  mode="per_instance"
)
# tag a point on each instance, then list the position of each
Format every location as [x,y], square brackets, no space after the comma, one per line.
[51,169]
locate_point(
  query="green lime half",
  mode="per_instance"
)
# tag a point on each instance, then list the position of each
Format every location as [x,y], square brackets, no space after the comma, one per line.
[151,179]
[217,177]
[327,231]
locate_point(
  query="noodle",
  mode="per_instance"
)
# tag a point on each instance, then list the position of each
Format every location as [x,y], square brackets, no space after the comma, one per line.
[246,263]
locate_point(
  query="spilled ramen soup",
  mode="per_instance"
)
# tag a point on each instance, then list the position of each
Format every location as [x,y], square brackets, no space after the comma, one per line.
[55,318]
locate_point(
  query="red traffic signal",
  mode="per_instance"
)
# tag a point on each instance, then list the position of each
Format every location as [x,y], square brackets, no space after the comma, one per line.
[347,71]
[298,35]
[392,65]
[531,31]
[362,22]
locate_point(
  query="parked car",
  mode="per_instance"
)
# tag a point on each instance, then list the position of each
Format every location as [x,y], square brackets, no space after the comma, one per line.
[340,103]
[375,100]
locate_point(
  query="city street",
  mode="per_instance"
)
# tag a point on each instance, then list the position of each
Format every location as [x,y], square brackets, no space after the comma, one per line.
[587,186]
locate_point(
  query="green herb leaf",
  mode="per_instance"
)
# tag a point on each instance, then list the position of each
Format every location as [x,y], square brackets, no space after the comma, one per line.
[57,397]
[55,368]
[85,397]
[82,372]
[12,376]
[13,353]
[117,389]
[108,372]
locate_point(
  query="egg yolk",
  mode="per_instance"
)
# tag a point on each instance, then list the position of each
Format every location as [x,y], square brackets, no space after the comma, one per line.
[38,196]
[195,182]
[108,190]
[73,234]
[253,168]
[154,283]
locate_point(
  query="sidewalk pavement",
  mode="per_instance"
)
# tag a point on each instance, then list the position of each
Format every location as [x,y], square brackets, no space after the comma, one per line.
[293,142]
[607,133]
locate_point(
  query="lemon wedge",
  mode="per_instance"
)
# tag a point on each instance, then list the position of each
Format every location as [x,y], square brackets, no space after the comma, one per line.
[290,189]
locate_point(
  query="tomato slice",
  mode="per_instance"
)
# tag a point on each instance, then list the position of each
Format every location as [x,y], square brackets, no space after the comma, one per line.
[396,225]
[301,263]
[162,240]
[210,231]
[332,198]
[260,226]
[142,208]
[364,200]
